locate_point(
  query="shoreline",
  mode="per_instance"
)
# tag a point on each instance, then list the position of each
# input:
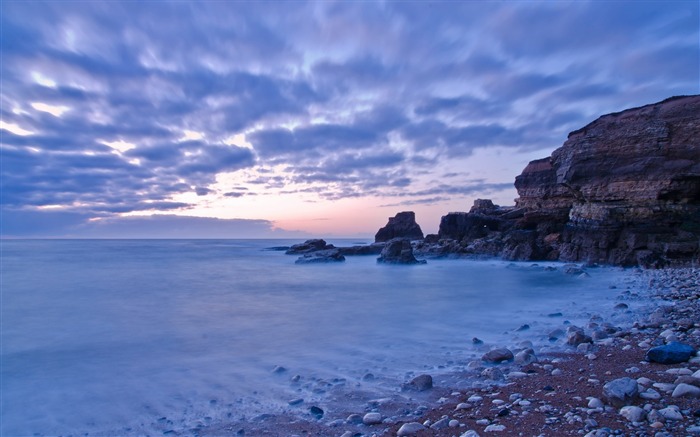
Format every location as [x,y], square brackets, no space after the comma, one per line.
[559,394]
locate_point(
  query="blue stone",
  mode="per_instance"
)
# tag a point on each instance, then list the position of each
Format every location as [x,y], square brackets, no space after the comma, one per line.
[672,353]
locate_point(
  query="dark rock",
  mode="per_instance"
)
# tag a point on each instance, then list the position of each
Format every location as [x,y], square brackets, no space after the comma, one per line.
[672,353]
[316,412]
[498,355]
[403,225]
[321,256]
[398,251]
[477,341]
[620,392]
[368,249]
[309,246]
[576,337]
[524,327]
[419,383]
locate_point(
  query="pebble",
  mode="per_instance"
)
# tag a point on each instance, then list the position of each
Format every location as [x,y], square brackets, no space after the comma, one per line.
[470,433]
[463,406]
[495,428]
[410,428]
[686,391]
[671,413]
[650,394]
[475,398]
[595,403]
[482,422]
[632,413]
[621,391]
[453,423]
[440,424]
[372,419]
[679,371]
[497,356]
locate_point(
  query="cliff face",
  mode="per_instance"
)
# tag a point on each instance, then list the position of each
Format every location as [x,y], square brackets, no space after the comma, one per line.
[623,190]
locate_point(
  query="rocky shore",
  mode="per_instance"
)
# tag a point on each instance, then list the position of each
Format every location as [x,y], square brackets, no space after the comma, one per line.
[598,379]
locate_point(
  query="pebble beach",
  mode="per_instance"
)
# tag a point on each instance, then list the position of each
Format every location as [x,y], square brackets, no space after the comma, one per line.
[596,380]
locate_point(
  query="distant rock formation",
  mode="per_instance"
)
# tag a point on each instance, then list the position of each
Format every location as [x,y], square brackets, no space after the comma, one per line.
[403,225]
[398,251]
[309,246]
[321,256]
[623,190]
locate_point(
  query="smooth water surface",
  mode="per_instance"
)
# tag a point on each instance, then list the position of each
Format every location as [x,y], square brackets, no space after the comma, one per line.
[105,336]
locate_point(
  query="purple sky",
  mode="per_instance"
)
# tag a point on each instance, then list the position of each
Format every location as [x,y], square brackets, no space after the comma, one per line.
[273,119]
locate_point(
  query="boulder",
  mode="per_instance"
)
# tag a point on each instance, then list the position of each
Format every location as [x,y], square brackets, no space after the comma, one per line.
[620,392]
[402,225]
[496,356]
[672,353]
[321,256]
[419,383]
[409,429]
[369,249]
[398,251]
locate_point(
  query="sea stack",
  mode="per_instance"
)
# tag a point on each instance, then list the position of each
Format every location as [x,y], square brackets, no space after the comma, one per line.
[402,225]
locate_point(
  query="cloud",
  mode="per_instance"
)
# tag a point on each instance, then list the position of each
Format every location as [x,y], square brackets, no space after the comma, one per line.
[332,99]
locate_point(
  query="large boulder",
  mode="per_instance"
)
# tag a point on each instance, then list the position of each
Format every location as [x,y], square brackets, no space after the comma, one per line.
[672,353]
[402,225]
[398,251]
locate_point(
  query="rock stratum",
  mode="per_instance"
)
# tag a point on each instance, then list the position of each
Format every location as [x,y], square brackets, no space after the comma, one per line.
[623,190]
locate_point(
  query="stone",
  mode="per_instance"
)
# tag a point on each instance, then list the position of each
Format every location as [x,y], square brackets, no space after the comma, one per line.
[493,373]
[441,424]
[526,356]
[671,413]
[354,419]
[402,225]
[419,383]
[633,413]
[499,355]
[595,403]
[495,428]
[620,392]
[672,353]
[316,412]
[372,419]
[686,391]
[321,256]
[411,428]
[398,251]
[576,338]
[470,433]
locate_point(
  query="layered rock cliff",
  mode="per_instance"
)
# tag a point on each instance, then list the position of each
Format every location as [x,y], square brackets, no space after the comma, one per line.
[623,190]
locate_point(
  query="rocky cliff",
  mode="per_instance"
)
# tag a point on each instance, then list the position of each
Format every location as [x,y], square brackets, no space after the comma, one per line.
[623,190]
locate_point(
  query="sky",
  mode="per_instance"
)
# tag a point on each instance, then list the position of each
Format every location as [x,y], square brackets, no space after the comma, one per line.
[272,119]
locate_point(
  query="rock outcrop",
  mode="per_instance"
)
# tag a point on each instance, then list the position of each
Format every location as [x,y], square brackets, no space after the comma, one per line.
[403,225]
[623,190]
[309,246]
[321,256]
[398,251]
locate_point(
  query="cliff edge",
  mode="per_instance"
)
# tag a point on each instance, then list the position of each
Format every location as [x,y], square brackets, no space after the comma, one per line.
[623,190]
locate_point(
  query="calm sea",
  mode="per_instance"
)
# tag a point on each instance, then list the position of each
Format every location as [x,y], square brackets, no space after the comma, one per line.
[131,337]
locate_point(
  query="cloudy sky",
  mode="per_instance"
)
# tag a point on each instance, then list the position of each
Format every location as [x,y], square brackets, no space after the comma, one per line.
[292,118]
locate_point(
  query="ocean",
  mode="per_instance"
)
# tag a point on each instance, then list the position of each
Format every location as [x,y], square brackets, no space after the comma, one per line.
[137,337]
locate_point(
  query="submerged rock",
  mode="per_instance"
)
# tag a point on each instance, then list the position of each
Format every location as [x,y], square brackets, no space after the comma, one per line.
[321,256]
[419,383]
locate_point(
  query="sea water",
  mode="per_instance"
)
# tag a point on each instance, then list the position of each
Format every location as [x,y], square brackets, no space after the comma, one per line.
[120,337]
